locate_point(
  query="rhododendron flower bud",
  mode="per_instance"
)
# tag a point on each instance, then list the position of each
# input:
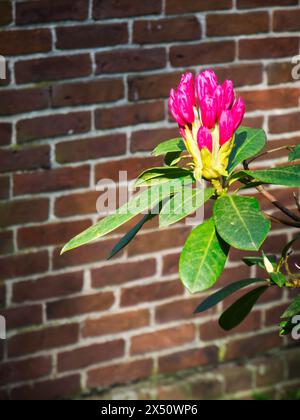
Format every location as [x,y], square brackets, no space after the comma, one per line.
[174,108]
[186,107]
[238,112]
[208,106]
[226,127]
[188,86]
[204,138]
[228,94]
[206,83]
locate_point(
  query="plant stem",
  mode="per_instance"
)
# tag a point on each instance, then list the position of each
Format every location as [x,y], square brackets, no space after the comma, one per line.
[271,151]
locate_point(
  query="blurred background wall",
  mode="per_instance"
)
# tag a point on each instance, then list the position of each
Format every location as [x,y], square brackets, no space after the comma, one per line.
[85,97]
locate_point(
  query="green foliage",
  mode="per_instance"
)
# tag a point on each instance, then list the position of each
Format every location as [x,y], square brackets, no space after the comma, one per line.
[250,261]
[163,175]
[169,146]
[283,175]
[295,154]
[293,309]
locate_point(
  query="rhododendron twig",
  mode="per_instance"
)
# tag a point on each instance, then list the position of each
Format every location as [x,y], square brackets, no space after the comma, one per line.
[268,152]
[281,221]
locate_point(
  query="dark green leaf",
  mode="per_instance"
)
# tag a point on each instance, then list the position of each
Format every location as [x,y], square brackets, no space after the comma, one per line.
[278,278]
[172,158]
[250,261]
[295,154]
[217,297]
[155,176]
[293,309]
[283,175]
[289,245]
[237,312]
[173,145]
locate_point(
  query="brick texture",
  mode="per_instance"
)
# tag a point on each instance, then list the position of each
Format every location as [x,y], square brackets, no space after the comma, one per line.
[86,97]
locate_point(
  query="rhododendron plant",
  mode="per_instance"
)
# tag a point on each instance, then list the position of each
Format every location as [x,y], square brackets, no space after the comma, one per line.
[211,161]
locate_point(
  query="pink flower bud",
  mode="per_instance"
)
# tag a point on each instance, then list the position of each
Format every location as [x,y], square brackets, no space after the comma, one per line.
[204,138]
[187,85]
[185,106]
[228,94]
[226,127]
[174,108]
[238,112]
[208,106]
[206,84]
[218,96]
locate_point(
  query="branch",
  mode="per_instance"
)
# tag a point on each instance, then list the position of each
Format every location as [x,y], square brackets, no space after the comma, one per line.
[268,152]
[277,219]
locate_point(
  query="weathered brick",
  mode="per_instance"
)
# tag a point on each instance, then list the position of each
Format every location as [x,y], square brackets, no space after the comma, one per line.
[126,115]
[76,204]
[162,339]
[204,53]
[4,187]
[253,73]
[24,264]
[6,242]
[18,42]
[247,4]
[293,364]
[250,49]
[115,9]
[130,60]
[166,30]
[66,308]
[184,310]
[189,6]
[237,24]
[53,68]
[24,159]
[282,123]
[5,12]
[280,73]
[269,371]
[90,355]
[43,339]
[25,100]
[22,370]
[270,98]
[48,11]
[53,126]
[152,86]
[286,20]
[121,273]
[119,373]
[47,287]
[273,314]
[91,36]
[23,211]
[5,134]
[51,180]
[155,291]
[147,140]
[237,378]
[22,316]
[50,234]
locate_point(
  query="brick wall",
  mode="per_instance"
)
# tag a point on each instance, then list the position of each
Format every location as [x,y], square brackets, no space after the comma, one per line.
[85,97]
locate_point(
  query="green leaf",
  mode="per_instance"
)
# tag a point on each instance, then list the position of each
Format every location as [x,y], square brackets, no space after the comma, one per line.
[295,154]
[250,261]
[248,142]
[289,245]
[278,278]
[293,309]
[138,204]
[240,222]
[203,258]
[217,297]
[130,235]
[173,145]
[237,312]
[283,175]
[184,203]
[162,175]
[172,158]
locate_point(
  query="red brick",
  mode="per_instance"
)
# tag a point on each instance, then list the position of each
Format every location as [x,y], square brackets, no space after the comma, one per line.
[248,4]
[237,23]
[91,36]
[126,115]
[253,73]
[116,323]
[23,211]
[162,339]
[204,53]
[22,316]
[91,148]
[250,49]
[49,11]
[24,264]
[4,187]
[115,9]
[51,180]
[273,315]
[147,140]
[29,369]
[280,73]
[133,167]
[269,371]
[66,308]
[283,123]
[44,339]
[17,101]
[166,30]
[122,273]
[286,20]
[48,390]
[254,122]
[90,355]
[48,287]
[18,42]
[5,134]
[53,68]
[5,12]
[7,80]
[23,159]
[155,291]
[6,242]
[96,91]
[120,373]
[130,60]
[76,204]
[188,359]
[152,86]
[270,98]
[184,310]
[53,126]
[50,234]
[189,6]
